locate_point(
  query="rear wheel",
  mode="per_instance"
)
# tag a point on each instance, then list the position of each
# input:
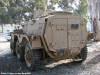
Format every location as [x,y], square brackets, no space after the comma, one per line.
[83,55]
[32,57]
[20,51]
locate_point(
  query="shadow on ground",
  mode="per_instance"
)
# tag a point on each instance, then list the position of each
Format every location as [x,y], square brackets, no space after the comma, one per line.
[9,63]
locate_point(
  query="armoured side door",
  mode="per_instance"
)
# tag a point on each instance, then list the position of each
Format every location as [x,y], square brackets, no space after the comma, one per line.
[74,32]
[56,33]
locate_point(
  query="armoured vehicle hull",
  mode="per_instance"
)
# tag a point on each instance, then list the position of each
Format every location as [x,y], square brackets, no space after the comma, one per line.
[59,35]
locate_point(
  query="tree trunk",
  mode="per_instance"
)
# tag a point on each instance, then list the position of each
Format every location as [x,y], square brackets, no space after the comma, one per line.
[2,28]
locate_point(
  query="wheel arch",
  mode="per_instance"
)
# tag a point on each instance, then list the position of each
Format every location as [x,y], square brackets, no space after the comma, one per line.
[15,38]
[24,40]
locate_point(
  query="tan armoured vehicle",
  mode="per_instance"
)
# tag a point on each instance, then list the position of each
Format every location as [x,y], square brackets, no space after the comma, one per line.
[56,36]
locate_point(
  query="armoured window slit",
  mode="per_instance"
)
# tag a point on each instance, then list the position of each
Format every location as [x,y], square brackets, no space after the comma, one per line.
[74,26]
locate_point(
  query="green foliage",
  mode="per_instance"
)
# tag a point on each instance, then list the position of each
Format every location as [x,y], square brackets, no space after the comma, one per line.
[52,3]
[82,8]
[39,4]
[64,4]
[12,11]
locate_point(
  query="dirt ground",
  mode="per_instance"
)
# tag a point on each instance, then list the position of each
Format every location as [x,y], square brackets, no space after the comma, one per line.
[9,64]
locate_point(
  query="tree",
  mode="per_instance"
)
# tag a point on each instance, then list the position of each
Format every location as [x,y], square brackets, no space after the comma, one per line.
[65,4]
[14,11]
[82,8]
[52,3]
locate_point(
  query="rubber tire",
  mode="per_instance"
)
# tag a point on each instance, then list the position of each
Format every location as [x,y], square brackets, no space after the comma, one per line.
[34,58]
[19,51]
[84,52]
[82,55]
[12,46]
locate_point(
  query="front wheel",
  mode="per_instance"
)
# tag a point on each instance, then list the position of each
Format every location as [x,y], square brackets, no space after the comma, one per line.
[12,47]
[19,51]
[32,57]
